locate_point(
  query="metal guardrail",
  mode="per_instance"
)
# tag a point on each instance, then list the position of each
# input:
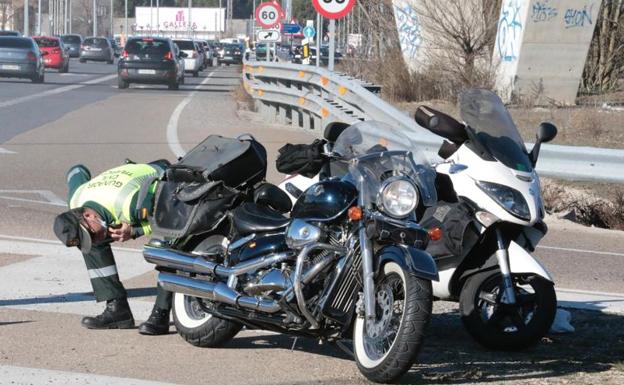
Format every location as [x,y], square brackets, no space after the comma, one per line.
[312,98]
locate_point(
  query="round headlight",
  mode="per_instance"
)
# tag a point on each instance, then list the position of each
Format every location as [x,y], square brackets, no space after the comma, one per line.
[398,198]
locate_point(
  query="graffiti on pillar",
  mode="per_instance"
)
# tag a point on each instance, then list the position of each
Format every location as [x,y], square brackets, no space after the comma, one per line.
[509,30]
[543,11]
[410,33]
[578,17]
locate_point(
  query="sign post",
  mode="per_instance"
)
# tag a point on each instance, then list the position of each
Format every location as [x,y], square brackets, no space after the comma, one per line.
[332,9]
[268,15]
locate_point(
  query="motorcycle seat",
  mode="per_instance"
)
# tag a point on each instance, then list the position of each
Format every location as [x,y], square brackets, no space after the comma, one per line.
[253,218]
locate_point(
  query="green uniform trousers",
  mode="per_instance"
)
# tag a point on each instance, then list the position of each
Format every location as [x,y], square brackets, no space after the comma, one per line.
[100,260]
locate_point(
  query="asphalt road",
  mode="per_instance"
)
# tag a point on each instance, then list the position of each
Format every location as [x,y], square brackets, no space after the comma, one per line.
[82,117]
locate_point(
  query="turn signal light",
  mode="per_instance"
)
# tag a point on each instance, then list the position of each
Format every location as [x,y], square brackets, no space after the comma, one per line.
[355,213]
[435,233]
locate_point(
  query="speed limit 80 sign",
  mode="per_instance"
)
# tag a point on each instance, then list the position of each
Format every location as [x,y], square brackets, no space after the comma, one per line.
[269,14]
[333,9]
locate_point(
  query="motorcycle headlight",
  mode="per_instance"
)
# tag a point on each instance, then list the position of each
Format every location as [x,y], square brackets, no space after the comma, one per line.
[397,197]
[510,199]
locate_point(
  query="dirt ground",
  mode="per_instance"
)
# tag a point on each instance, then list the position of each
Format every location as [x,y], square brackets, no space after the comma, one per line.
[593,354]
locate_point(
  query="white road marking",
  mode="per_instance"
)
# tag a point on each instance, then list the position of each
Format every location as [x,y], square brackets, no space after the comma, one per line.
[57,279]
[17,375]
[49,196]
[612,303]
[5,151]
[172,126]
[582,251]
[71,74]
[55,91]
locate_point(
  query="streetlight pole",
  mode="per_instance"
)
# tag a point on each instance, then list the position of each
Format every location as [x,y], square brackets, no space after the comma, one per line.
[126,22]
[151,16]
[157,17]
[69,19]
[26,27]
[111,19]
[190,21]
[39,18]
[65,19]
[94,18]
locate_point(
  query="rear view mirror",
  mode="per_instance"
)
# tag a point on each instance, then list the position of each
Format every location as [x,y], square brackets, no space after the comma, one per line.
[546,132]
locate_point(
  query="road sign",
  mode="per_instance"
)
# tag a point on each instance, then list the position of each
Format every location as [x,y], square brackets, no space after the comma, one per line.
[309,32]
[269,36]
[291,28]
[333,9]
[269,14]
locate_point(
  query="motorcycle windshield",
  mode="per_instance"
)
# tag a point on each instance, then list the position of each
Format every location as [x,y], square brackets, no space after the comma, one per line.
[377,151]
[491,123]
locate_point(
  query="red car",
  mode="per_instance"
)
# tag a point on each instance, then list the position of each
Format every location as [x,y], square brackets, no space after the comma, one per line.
[57,55]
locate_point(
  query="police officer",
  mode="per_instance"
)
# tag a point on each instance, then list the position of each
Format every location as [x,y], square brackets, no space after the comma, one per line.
[104,210]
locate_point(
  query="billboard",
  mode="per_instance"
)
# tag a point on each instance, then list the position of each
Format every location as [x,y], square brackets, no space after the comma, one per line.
[169,19]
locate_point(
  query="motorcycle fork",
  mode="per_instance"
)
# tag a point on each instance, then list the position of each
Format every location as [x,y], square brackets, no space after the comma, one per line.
[367,273]
[502,256]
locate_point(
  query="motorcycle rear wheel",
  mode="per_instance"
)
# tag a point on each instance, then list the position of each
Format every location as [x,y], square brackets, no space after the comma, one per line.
[199,328]
[387,347]
[507,327]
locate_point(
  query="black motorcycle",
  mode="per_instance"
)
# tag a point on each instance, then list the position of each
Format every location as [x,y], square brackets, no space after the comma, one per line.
[348,263]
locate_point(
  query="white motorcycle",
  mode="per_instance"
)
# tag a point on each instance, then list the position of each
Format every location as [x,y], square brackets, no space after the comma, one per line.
[491,214]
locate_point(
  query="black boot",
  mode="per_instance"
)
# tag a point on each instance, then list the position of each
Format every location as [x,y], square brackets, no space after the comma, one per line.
[117,315]
[157,323]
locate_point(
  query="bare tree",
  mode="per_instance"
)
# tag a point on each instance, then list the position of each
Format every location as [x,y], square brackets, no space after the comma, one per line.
[460,36]
[6,13]
[605,60]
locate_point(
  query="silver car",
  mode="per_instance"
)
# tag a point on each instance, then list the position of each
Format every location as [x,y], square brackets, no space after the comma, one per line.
[20,57]
[194,60]
[98,49]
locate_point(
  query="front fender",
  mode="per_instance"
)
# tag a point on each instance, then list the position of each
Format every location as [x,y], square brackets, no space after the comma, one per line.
[521,261]
[414,260]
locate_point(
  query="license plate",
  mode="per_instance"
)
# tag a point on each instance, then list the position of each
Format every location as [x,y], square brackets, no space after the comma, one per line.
[147,72]
[10,67]
[95,49]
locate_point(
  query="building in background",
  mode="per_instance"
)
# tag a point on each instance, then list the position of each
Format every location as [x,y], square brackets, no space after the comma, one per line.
[207,23]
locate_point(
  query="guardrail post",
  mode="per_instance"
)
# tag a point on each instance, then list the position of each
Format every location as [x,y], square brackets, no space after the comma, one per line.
[306,120]
[318,124]
[281,114]
[295,118]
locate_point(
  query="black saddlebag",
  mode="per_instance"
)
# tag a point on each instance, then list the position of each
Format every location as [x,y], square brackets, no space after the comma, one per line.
[236,162]
[459,231]
[182,208]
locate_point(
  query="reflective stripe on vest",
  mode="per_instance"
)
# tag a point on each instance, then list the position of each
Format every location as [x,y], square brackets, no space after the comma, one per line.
[114,190]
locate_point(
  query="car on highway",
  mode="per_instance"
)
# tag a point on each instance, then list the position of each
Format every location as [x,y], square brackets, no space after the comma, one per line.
[194,61]
[232,54]
[97,49]
[324,56]
[6,32]
[151,60]
[73,42]
[116,47]
[20,57]
[208,53]
[261,52]
[57,56]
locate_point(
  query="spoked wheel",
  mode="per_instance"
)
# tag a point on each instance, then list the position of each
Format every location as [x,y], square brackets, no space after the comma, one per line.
[386,347]
[199,328]
[501,326]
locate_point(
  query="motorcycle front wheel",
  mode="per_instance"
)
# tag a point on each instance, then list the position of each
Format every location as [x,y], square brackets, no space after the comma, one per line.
[199,328]
[387,347]
[501,326]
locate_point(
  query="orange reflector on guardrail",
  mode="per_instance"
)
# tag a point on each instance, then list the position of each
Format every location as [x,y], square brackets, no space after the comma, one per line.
[324,81]
[301,74]
[324,112]
[342,90]
[301,101]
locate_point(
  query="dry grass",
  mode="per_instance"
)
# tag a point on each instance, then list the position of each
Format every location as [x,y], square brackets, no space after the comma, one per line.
[243,99]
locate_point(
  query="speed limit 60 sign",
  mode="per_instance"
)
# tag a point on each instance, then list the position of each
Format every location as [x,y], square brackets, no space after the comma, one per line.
[269,14]
[333,9]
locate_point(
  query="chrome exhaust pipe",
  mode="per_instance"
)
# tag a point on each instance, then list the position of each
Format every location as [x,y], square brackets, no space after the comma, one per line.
[179,260]
[218,292]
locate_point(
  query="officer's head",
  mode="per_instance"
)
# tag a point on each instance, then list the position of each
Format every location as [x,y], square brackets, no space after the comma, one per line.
[80,227]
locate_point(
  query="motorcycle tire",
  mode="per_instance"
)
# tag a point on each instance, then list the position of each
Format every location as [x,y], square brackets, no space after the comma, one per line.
[479,304]
[195,326]
[204,330]
[407,329]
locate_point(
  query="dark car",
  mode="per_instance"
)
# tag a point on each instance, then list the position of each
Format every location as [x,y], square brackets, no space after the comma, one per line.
[116,47]
[151,60]
[98,49]
[4,32]
[73,42]
[324,56]
[232,54]
[20,57]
